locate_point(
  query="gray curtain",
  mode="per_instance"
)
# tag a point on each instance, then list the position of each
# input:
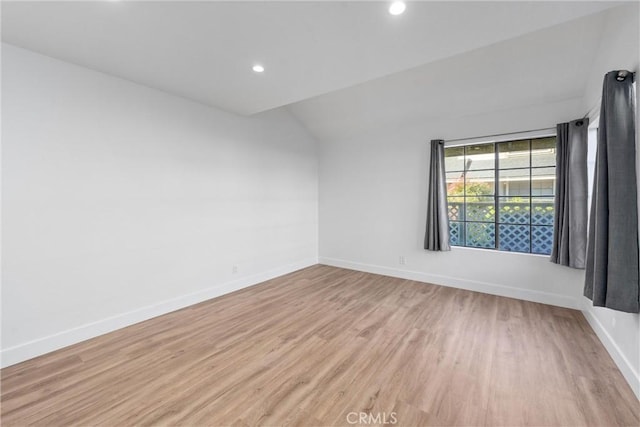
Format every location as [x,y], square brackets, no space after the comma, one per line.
[570,218]
[612,252]
[437,235]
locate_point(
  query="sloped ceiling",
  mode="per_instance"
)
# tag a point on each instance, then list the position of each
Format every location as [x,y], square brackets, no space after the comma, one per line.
[344,65]
[543,67]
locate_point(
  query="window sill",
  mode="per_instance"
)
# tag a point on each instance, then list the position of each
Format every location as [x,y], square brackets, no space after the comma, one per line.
[495,251]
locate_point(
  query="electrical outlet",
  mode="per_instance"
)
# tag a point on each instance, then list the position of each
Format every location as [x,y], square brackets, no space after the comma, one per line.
[234,269]
[402,260]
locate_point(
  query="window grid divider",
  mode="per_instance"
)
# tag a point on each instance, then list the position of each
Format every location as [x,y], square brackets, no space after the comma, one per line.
[464,220]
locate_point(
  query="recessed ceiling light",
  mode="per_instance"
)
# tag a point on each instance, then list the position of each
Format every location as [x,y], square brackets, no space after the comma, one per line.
[258,68]
[397,7]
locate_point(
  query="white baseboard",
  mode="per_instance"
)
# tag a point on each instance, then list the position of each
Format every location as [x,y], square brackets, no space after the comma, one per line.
[616,354]
[471,285]
[19,353]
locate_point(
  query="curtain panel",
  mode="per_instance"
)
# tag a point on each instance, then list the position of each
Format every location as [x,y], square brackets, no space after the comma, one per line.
[612,251]
[570,218]
[437,232]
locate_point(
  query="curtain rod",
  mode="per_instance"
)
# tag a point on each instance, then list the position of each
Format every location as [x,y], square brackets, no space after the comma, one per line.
[622,75]
[499,134]
[593,109]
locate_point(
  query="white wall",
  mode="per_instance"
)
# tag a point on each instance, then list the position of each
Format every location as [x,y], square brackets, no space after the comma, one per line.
[121,202]
[619,49]
[373,203]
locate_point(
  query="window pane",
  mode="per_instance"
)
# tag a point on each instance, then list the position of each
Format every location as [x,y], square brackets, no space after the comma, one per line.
[455,183]
[514,182]
[514,210]
[543,182]
[513,154]
[514,238]
[480,183]
[542,238]
[481,235]
[454,159]
[520,216]
[481,209]
[543,152]
[543,211]
[456,233]
[455,207]
[480,157]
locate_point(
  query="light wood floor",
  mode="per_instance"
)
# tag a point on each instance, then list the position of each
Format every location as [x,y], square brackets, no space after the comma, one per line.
[313,346]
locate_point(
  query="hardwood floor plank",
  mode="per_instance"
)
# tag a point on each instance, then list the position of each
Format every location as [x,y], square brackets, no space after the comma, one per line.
[317,346]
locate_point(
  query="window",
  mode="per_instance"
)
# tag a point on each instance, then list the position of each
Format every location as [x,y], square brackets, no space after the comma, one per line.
[500,195]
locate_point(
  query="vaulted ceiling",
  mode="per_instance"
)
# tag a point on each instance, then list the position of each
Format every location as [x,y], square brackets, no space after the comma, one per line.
[330,62]
[546,66]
